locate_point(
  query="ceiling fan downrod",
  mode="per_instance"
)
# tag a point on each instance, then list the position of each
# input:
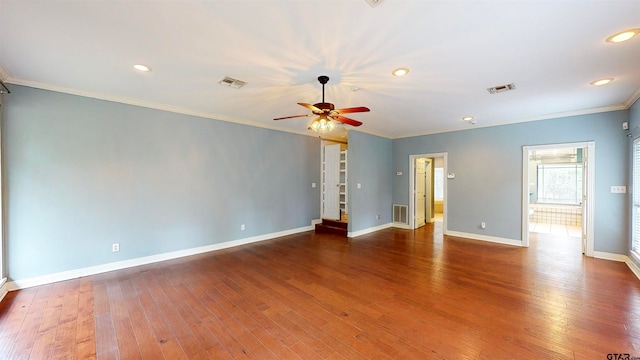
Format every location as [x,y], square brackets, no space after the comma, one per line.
[323,79]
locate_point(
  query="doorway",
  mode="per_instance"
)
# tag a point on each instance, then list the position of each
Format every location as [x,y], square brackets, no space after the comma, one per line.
[423,192]
[557,192]
[427,189]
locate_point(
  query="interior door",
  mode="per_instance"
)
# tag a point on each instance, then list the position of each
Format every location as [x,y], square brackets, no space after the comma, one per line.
[331,197]
[585,199]
[420,191]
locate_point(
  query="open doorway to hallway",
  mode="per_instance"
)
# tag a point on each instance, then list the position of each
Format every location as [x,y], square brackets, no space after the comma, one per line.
[558,192]
[428,189]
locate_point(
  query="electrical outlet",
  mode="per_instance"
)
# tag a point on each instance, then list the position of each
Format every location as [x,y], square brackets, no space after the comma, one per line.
[242,227]
[378,217]
[115,247]
[483,225]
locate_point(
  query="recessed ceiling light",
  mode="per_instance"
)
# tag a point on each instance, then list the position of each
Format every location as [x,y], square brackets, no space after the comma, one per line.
[601,82]
[141,67]
[400,72]
[467,118]
[623,36]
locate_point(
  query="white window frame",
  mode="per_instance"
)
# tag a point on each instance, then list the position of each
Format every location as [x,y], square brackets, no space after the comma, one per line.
[3,274]
[635,199]
[541,182]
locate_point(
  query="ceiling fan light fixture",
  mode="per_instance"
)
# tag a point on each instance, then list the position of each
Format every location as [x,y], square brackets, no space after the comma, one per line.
[322,125]
[400,72]
[623,36]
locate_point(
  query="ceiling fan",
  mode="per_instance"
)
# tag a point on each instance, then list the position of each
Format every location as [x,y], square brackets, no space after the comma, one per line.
[327,113]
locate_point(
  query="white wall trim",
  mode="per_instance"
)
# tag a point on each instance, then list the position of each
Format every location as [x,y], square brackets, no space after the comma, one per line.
[353,234]
[148,104]
[401,225]
[634,268]
[610,256]
[412,174]
[633,98]
[492,239]
[3,288]
[92,270]
[4,74]
[589,208]
[620,258]
[589,111]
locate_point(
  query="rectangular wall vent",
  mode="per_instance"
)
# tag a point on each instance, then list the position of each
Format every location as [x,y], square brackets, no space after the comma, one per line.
[501,88]
[400,214]
[231,82]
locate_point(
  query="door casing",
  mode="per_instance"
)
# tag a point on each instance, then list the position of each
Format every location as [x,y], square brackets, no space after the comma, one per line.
[588,207]
[412,193]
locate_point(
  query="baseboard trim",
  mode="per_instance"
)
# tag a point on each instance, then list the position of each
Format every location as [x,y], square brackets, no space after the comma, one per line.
[610,256]
[620,258]
[3,288]
[98,269]
[401,226]
[634,268]
[493,239]
[353,234]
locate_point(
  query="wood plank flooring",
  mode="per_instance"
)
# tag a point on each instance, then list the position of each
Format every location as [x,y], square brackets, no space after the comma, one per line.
[393,294]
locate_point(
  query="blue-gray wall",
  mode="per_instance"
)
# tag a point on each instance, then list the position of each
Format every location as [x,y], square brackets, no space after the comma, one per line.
[487,163]
[82,174]
[369,164]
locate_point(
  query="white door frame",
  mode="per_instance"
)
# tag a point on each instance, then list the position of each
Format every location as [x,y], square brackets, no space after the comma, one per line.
[412,195]
[589,209]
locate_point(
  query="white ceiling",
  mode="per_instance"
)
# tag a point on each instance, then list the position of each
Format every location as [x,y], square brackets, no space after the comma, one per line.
[455,50]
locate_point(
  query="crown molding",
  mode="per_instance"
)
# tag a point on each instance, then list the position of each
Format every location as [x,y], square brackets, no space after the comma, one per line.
[147,104]
[5,77]
[633,98]
[4,74]
[531,118]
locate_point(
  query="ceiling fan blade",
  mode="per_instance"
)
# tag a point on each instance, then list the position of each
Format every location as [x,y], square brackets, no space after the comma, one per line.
[310,107]
[347,121]
[352,110]
[291,117]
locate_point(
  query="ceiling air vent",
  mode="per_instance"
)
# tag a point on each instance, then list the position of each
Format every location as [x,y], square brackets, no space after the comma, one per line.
[231,82]
[501,88]
[374,3]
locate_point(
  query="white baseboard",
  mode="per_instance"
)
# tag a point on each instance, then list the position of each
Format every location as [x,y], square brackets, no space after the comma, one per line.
[634,268]
[401,226]
[492,239]
[369,230]
[620,258]
[73,274]
[3,288]
[610,256]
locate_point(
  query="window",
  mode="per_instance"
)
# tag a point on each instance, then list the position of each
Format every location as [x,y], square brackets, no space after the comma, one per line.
[560,184]
[438,184]
[635,246]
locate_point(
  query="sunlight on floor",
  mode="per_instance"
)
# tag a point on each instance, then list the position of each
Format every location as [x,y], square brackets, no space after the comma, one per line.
[556,229]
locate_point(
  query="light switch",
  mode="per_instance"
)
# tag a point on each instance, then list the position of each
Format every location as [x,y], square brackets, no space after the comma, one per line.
[619,189]
[313,185]
[359,186]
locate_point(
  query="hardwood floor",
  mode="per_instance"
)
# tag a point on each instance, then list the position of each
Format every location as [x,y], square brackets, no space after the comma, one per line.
[392,294]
